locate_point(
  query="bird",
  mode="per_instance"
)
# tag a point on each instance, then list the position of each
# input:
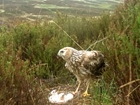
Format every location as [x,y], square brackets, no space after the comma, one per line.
[85,65]
[60,97]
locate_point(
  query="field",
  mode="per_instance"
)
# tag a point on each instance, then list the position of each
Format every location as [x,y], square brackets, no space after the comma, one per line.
[34,9]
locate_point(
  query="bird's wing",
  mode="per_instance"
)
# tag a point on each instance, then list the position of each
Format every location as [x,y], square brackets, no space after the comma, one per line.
[93,61]
[69,67]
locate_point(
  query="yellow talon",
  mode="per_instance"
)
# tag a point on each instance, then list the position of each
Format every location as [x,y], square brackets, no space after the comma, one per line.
[85,94]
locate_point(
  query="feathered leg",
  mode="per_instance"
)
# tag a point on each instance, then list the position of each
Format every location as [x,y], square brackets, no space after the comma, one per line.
[79,83]
[86,91]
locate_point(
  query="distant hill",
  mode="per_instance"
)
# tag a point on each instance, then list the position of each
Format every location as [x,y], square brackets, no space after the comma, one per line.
[46,9]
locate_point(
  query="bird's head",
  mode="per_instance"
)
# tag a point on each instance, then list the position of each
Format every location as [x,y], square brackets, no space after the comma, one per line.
[65,52]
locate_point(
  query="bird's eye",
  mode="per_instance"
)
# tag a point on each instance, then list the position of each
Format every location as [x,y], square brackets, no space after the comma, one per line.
[61,51]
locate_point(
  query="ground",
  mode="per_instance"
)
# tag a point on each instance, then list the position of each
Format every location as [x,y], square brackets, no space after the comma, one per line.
[78,99]
[95,98]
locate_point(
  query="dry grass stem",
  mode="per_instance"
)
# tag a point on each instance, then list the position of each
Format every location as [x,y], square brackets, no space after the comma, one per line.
[133,90]
[67,34]
[94,44]
[131,82]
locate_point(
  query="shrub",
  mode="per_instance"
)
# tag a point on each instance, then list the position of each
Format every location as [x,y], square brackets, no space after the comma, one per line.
[124,52]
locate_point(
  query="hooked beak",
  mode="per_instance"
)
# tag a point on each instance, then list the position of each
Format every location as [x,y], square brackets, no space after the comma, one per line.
[58,55]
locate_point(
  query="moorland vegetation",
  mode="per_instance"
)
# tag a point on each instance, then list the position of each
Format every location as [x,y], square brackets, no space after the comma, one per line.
[29,67]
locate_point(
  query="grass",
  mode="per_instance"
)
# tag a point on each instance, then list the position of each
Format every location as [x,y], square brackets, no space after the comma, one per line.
[1,11]
[50,6]
[94,4]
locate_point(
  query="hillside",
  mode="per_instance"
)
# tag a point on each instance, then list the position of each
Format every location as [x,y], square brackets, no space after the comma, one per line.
[34,9]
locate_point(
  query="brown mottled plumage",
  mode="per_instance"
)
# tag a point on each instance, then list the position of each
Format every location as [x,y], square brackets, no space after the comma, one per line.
[85,65]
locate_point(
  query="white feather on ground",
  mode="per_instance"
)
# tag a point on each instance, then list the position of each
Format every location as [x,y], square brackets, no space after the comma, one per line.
[60,98]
